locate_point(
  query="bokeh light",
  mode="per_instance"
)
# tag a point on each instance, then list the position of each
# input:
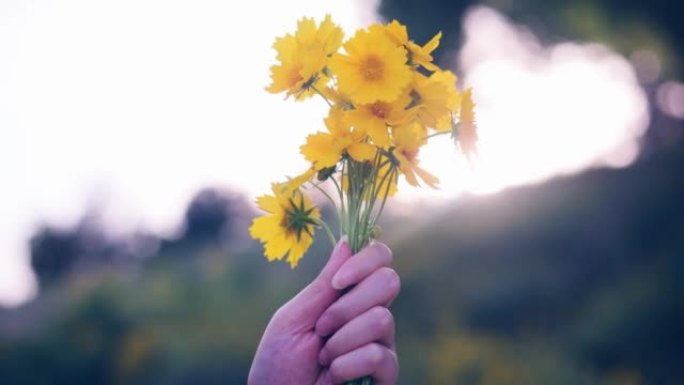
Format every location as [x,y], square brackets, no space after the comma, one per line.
[542,110]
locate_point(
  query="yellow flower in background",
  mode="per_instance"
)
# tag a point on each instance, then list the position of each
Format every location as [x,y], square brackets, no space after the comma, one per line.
[325,149]
[418,56]
[374,118]
[467,129]
[373,68]
[437,99]
[303,57]
[288,228]
[408,139]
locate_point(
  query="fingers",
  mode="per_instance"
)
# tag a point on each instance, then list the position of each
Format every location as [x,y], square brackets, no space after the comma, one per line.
[375,325]
[370,360]
[305,308]
[369,259]
[378,289]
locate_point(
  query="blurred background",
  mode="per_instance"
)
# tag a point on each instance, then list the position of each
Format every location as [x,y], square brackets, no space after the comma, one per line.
[134,136]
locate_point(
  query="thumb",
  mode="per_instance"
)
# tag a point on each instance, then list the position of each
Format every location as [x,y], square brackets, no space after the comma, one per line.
[307,306]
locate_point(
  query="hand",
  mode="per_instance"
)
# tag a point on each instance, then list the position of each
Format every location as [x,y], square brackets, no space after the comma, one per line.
[325,335]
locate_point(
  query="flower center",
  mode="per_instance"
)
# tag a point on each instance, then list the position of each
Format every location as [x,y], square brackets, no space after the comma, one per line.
[380,110]
[293,75]
[372,68]
[410,155]
[297,219]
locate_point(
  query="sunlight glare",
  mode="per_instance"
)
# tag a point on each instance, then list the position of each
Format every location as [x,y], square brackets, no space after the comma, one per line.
[541,111]
[134,105]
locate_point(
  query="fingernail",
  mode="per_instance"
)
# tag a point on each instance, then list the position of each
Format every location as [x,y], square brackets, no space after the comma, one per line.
[323,325]
[323,358]
[342,241]
[339,244]
[339,281]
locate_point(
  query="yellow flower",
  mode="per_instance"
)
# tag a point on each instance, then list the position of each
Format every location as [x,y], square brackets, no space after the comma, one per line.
[374,118]
[437,99]
[295,183]
[288,228]
[397,32]
[328,37]
[408,140]
[373,68]
[467,130]
[303,57]
[297,72]
[325,149]
[417,55]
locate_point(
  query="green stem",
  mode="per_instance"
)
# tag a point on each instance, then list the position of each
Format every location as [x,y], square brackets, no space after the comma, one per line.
[316,185]
[437,134]
[384,197]
[323,96]
[342,213]
[361,381]
[325,227]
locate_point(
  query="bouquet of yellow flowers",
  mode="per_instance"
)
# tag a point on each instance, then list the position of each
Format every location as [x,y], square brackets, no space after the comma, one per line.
[386,99]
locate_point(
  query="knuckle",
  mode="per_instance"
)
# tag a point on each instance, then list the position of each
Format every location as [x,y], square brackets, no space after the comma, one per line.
[332,347]
[376,355]
[335,315]
[330,313]
[336,371]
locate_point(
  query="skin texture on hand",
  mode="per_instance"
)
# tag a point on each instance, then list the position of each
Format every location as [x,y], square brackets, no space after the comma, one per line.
[336,329]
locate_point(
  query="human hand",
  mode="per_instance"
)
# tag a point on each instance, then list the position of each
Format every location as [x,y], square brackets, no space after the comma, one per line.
[326,335]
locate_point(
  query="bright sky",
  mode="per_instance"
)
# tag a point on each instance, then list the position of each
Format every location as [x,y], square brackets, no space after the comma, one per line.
[134,105]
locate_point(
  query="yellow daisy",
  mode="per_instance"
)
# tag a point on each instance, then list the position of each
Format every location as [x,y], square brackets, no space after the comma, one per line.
[324,149]
[373,68]
[436,99]
[288,228]
[327,37]
[297,72]
[418,56]
[408,139]
[303,58]
[467,129]
[374,118]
